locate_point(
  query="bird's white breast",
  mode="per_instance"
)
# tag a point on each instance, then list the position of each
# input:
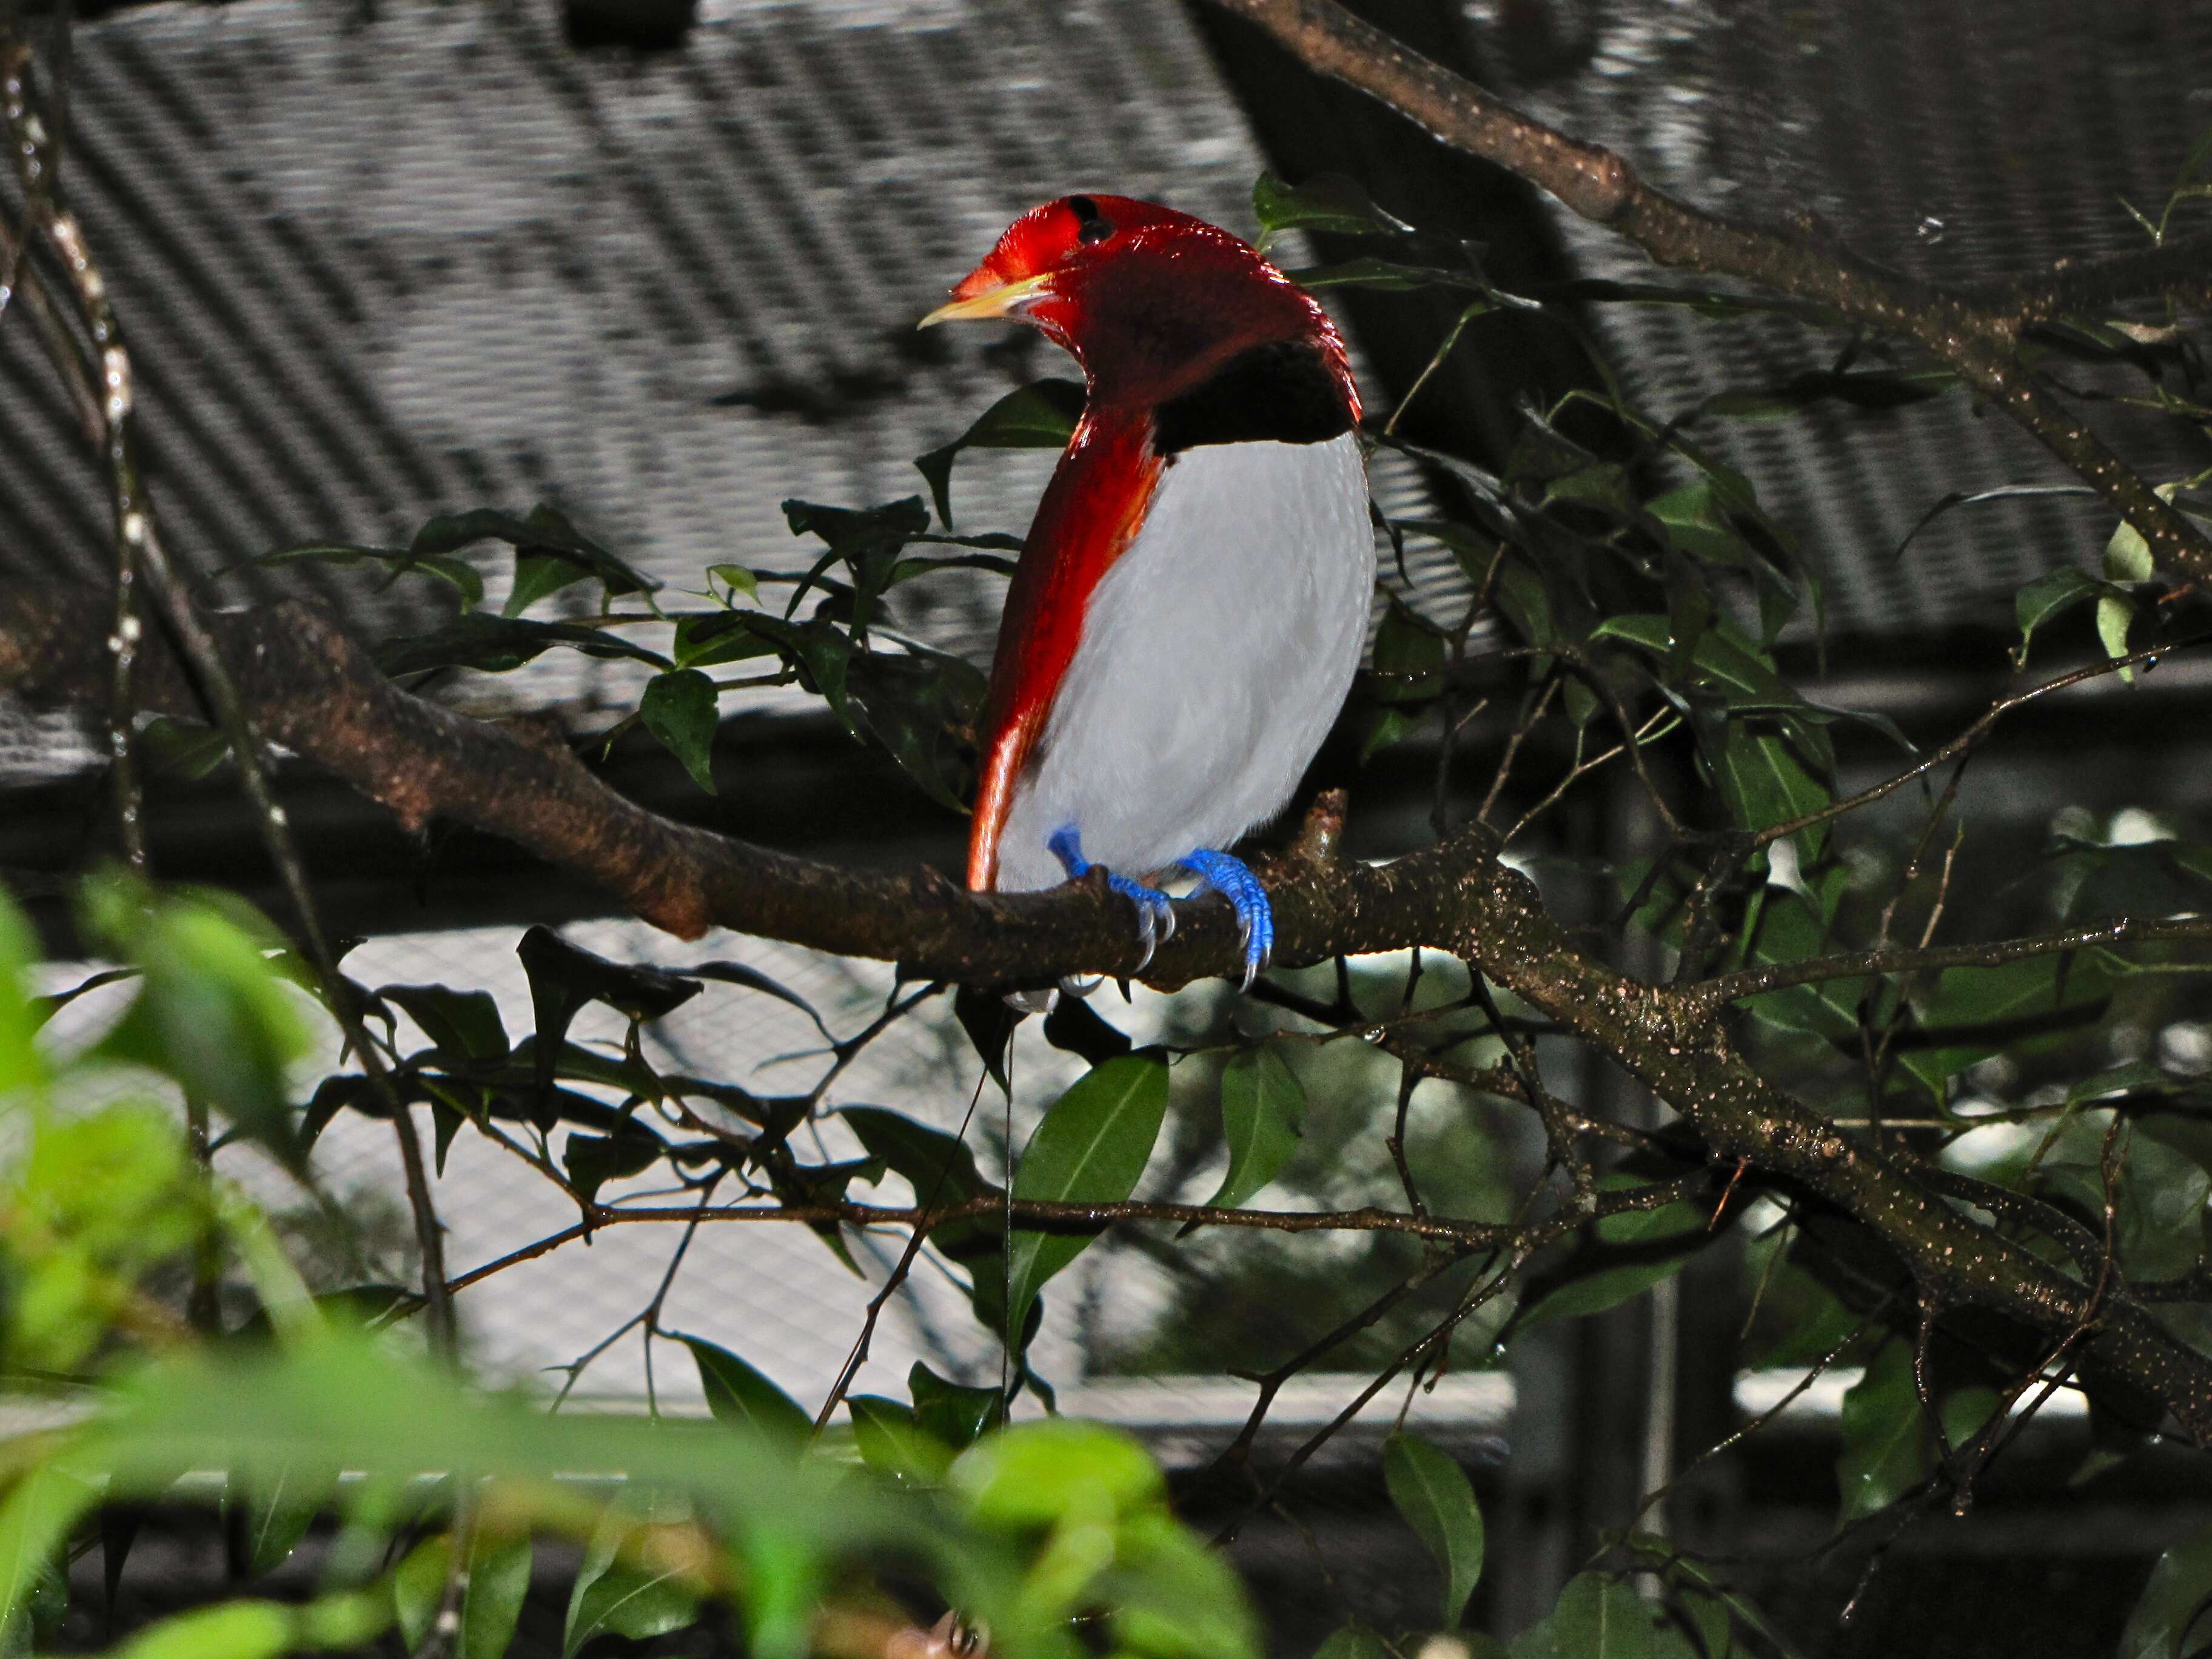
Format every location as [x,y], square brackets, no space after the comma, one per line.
[1215,655]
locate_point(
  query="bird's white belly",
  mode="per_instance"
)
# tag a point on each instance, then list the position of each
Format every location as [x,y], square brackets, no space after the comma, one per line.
[1215,655]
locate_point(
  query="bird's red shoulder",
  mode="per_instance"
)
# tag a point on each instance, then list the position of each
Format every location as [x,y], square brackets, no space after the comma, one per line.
[1091,511]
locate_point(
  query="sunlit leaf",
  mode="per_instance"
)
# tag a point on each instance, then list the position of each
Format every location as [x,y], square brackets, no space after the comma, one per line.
[952,1412]
[1035,1473]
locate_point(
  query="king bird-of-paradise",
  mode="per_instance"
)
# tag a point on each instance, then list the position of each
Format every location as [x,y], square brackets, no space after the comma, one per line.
[1192,599]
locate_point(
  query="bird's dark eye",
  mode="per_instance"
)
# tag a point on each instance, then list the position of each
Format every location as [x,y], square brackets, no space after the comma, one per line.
[1090,224]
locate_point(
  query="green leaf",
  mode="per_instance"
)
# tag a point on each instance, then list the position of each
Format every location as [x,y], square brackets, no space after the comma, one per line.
[1630,1253]
[1409,656]
[1091,1148]
[538,577]
[737,577]
[1695,523]
[273,1517]
[233,1629]
[615,1598]
[1971,1014]
[565,978]
[544,532]
[1035,1474]
[2116,614]
[2127,555]
[1174,1598]
[1332,202]
[21,1066]
[1601,1618]
[497,644]
[2046,597]
[1262,1105]
[1764,783]
[2174,1603]
[891,1439]
[1975,498]
[491,1601]
[736,1393]
[1039,415]
[721,637]
[593,1160]
[35,1522]
[464,1024]
[1437,1501]
[211,1012]
[952,1412]
[1886,1449]
[682,709]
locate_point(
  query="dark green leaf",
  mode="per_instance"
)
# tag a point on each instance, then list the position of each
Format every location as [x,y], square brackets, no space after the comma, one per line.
[565,978]
[464,1024]
[1887,1449]
[682,709]
[539,577]
[1971,1014]
[496,644]
[1434,1495]
[1263,1105]
[271,1518]
[737,973]
[613,1596]
[491,1598]
[1630,1253]
[545,531]
[952,1412]
[1975,498]
[719,637]
[1331,202]
[1091,1148]
[917,705]
[592,1160]
[890,1438]
[1601,1618]
[1039,415]
[990,1027]
[2173,1607]
[737,1393]
[1409,656]
[1076,1028]
[457,573]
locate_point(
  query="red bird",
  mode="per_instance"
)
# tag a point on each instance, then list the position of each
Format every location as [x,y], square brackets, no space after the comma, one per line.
[1192,600]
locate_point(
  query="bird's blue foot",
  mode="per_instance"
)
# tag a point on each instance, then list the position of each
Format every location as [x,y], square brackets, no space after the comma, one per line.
[1217,872]
[1154,910]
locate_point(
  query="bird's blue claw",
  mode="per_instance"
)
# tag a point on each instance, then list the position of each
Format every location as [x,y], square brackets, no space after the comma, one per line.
[1217,872]
[1156,920]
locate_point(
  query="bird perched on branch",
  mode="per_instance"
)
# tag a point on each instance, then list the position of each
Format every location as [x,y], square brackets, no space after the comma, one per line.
[1192,600]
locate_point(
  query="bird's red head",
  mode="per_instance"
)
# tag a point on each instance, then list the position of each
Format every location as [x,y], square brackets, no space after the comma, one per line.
[1150,301]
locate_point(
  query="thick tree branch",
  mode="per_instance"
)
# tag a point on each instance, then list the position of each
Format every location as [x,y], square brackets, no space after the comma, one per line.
[1976,333]
[311,688]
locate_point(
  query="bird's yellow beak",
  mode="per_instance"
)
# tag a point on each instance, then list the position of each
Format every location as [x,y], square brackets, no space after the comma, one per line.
[998,301]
